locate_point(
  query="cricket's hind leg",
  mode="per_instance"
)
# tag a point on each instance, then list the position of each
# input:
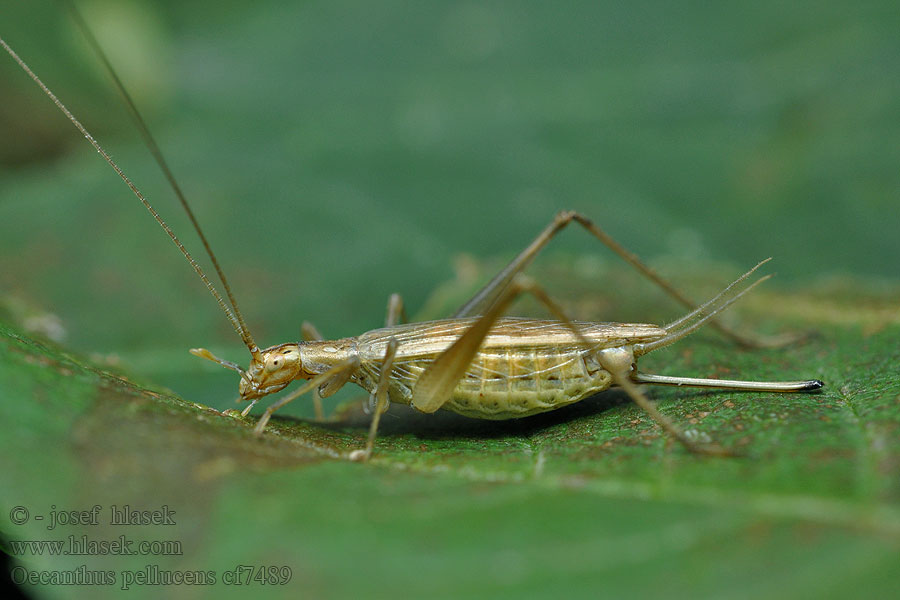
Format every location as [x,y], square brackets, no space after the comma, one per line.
[620,362]
[435,386]
[501,282]
[695,319]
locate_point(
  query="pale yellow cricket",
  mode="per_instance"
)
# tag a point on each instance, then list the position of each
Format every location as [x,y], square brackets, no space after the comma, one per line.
[478,363]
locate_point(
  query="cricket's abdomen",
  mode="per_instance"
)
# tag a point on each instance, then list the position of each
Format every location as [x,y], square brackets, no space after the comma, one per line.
[513,384]
[510,383]
[524,367]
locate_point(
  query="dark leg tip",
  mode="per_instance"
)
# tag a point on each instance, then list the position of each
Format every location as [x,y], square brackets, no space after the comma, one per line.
[813,385]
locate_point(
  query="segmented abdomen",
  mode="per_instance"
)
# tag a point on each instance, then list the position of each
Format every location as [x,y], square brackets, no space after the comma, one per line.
[524,366]
[509,383]
[520,383]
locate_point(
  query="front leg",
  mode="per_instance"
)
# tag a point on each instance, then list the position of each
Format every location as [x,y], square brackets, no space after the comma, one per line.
[382,400]
[340,371]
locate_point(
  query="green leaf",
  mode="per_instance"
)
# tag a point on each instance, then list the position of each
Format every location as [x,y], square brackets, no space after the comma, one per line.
[338,152]
[593,494]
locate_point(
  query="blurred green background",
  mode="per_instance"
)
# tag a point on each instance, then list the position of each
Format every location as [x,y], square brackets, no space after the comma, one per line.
[340,151]
[337,152]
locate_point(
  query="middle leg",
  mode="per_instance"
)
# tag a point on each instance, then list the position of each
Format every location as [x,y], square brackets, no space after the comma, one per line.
[396,312]
[311,334]
[382,400]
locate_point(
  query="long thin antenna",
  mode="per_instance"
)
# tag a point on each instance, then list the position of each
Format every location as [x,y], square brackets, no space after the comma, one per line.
[161,161]
[251,345]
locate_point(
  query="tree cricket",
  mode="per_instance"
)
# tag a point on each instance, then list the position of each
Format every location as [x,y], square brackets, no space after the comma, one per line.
[478,362]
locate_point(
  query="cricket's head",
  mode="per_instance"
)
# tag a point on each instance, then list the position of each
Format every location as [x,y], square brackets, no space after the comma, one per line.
[270,370]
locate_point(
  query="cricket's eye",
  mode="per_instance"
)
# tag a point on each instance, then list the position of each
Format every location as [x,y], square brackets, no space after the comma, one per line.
[273,363]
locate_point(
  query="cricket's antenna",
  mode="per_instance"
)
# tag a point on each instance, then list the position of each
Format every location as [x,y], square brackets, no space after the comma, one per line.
[237,323]
[163,165]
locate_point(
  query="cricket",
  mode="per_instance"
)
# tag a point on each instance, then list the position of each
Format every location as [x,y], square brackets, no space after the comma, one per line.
[478,362]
